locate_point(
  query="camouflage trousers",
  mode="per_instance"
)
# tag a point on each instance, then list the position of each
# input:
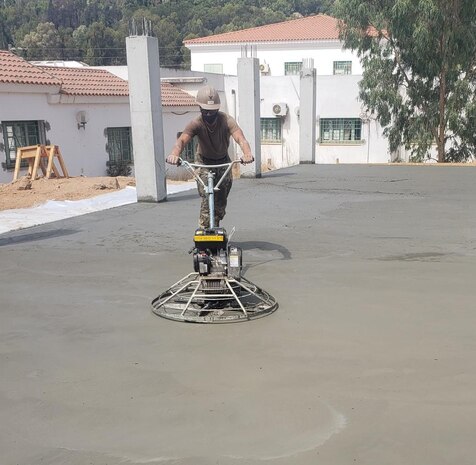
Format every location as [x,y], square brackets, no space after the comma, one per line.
[221,195]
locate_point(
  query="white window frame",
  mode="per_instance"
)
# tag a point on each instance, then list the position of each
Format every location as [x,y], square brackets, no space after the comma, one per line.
[215,68]
[292,68]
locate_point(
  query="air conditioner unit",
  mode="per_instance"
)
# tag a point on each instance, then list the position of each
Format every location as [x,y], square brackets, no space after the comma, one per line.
[280,109]
[264,68]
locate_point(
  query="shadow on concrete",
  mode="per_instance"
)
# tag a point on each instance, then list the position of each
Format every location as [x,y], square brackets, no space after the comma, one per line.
[264,252]
[180,197]
[39,236]
[276,174]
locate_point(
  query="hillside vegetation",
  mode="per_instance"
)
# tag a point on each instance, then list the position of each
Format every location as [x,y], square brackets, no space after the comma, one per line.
[94,31]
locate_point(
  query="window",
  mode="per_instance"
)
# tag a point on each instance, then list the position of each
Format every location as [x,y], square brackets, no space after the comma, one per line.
[21,134]
[342,67]
[188,153]
[216,68]
[119,145]
[340,130]
[292,68]
[271,130]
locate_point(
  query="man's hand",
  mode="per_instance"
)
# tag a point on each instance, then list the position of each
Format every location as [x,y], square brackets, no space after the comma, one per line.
[173,160]
[246,159]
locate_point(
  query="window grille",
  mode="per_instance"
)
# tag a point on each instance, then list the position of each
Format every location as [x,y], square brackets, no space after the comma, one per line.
[340,130]
[342,67]
[271,130]
[119,145]
[21,134]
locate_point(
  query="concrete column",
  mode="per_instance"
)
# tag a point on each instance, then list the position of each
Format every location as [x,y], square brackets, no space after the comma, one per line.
[146,118]
[307,113]
[249,112]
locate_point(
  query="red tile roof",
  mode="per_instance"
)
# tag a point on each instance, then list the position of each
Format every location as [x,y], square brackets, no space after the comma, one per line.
[319,27]
[88,81]
[99,82]
[80,81]
[174,97]
[16,70]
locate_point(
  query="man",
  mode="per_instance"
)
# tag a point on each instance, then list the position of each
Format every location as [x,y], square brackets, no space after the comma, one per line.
[213,129]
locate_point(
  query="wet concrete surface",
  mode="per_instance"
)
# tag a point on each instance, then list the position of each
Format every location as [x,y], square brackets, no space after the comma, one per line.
[369,359]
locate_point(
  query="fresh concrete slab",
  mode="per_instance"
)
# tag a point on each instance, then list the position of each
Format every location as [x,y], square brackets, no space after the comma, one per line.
[369,359]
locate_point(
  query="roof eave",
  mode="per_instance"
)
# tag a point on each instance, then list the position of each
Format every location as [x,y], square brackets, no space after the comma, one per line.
[90,99]
[29,88]
[263,42]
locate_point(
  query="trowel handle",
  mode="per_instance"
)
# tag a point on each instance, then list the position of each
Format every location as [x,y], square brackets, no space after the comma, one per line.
[190,167]
[196,165]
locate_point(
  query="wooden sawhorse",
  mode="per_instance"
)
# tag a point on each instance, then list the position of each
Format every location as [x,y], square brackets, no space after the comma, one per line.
[35,154]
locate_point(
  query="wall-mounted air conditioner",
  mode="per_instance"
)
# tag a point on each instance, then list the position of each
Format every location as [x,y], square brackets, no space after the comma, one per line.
[264,68]
[280,109]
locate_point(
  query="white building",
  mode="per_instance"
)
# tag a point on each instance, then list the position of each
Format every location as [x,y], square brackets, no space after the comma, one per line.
[344,133]
[280,48]
[83,110]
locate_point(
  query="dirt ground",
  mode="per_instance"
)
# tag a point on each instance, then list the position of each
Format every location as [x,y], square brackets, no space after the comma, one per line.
[25,193]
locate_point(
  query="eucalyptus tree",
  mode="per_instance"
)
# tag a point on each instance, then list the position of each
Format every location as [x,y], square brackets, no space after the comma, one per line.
[419,79]
[44,43]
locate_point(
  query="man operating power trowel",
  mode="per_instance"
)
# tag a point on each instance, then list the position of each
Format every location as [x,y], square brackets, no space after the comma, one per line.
[217,291]
[213,130]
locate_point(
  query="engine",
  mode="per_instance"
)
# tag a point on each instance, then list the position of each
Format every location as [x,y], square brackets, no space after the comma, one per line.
[212,255]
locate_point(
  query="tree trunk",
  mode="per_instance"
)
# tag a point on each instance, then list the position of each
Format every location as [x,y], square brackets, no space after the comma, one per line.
[440,142]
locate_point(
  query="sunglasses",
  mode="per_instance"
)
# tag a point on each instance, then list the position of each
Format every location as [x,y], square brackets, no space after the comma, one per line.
[208,112]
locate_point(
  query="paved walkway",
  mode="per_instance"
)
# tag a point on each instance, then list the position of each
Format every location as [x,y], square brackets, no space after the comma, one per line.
[369,359]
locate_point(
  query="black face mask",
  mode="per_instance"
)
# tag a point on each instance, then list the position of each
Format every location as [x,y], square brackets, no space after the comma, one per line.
[209,116]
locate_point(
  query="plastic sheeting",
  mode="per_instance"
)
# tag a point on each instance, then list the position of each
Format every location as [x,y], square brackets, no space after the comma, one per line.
[54,210]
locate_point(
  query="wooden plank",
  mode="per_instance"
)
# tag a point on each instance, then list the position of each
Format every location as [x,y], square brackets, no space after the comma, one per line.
[61,162]
[25,153]
[51,154]
[17,165]
[42,166]
[37,163]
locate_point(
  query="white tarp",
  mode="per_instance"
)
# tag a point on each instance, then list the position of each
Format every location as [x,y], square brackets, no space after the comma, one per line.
[54,210]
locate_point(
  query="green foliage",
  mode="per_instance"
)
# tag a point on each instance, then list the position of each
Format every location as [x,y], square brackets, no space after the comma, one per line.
[94,31]
[419,71]
[45,41]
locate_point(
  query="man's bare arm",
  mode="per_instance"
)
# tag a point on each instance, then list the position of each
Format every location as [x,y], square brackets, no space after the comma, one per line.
[240,139]
[177,149]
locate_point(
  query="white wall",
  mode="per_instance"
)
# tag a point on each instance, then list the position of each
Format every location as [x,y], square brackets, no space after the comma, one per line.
[83,150]
[281,89]
[336,98]
[324,54]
